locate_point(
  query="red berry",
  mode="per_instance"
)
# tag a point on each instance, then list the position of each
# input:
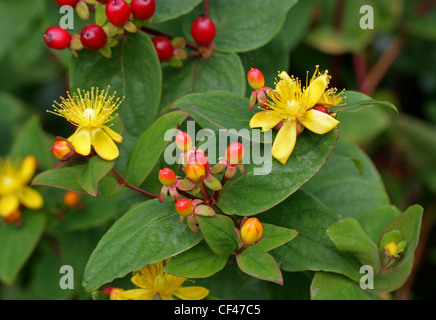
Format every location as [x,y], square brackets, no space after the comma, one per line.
[143,9]
[183,141]
[203,31]
[167,177]
[256,79]
[67,2]
[57,38]
[93,37]
[164,48]
[320,108]
[234,153]
[117,12]
[184,207]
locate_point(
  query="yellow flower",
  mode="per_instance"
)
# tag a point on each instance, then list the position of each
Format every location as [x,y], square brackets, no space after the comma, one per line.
[153,284]
[292,106]
[14,177]
[90,112]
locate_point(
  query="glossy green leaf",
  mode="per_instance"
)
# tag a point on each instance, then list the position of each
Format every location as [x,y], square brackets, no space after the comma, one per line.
[198,262]
[219,233]
[391,281]
[409,224]
[259,264]
[275,236]
[150,232]
[311,249]
[63,178]
[348,236]
[150,146]
[331,286]
[247,24]
[92,173]
[222,72]
[258,192]
[18,243]
[355,101]
[169,9]
[134,72]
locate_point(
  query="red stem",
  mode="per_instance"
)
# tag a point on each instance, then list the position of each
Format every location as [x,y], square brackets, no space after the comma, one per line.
[206,8]
[124,183]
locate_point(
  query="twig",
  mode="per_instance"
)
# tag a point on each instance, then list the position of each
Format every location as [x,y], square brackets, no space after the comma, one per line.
[159,33]
[127,185]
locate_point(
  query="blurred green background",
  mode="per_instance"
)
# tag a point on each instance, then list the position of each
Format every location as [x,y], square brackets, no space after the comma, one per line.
[396,61]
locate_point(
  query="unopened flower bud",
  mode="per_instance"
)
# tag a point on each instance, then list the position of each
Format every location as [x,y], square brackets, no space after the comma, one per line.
[235,153]
[61,149]
[195,172]
[72,198]
[392,248]
[167,177]
[200,157]
[183,141]
[251,231]
[184,207]
[256,79]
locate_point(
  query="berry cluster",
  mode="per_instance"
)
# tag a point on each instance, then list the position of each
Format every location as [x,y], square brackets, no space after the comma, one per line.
[199,179]
[114,17]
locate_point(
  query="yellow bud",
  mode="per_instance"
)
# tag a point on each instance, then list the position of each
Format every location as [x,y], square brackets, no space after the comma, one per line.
[115,292]
[392,248]
[196,172]
[251,231]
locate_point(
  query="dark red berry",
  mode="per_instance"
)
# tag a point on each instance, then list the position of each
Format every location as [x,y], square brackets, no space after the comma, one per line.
[203,31]
[93,37]
[143,9]
[164,48]
[117,12]
[57,38]
[67,2]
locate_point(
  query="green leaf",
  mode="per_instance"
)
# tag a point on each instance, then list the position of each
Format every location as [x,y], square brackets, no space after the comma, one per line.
[222,72]
[246,25]
[150,146]
[63,178]
[275,236]
[375,221]
[33,140]
[391,281]
[150,232]
[169,9]
[257,192]
[311,249]
[92,173]
[259,264]
[355,101]
[198,262]
[348,236]
[18,243]
[330,286]
[134,72]
[409,224]
[219,233]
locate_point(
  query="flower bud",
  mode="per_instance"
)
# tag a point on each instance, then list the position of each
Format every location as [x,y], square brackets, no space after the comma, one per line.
[200,157]
[72,198]
[256,79]
[195,172]
[167,177]
[251,231]
[184,207]
[392,248]
[183,141]
[61,149]
[115,292]
[235,153]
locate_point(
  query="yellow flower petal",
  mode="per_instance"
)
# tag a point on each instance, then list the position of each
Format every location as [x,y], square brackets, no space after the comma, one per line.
[8,204]
[315,90]
[191,293]
[31,198]
[114,135]
[81,141]
[136,294]
[318,122]
[104,145]
[285,141]
[28,167]
[265,120]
